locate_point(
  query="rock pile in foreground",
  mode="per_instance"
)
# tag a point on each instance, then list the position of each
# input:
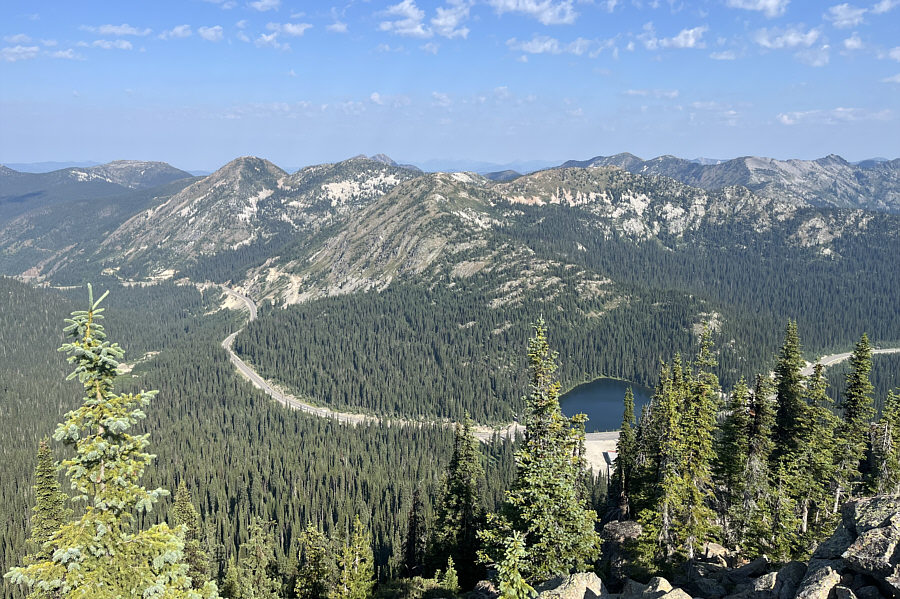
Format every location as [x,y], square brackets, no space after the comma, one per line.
[860,561]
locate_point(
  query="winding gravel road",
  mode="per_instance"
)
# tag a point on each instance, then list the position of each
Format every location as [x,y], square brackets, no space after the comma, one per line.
[595,443]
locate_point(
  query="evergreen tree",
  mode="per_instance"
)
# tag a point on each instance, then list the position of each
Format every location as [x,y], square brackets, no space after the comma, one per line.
[858,412]
[450,580]
[512,584]
[698,423]
[185,514]
[317,573]
[626,449]
[356,578]
[50,511]
[459,515]
[257,566]
[414,543]
[545,502]
[788,396]
[733,451]
[232,586]
[886,448]
[101,554]
[752,517]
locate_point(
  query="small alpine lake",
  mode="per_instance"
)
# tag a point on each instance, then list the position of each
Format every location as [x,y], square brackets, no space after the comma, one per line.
[603,401]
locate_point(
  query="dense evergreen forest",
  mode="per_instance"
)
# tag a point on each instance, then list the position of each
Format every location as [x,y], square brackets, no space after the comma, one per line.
[240,454]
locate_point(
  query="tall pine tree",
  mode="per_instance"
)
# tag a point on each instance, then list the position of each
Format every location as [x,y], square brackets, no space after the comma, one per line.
[414,544]
[858,411]
[886,448]
[316,578]
[789,398]
[733,451]
[546,503]
[185,514]
[357,574]
[50,511]
[102,554]
[626,449]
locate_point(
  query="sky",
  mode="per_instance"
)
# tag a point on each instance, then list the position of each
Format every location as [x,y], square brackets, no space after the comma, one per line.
[197,83]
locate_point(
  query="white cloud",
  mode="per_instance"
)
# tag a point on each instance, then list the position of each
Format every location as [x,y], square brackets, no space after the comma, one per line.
[893,79]
[242,36]
[542,44]
[724,55]
[50,43]
[814,57]
[662,94]
[14,53]
[430,47]
[853,42]
[408,20]
[884,6]
[441,99]
[271,41]
[449,19]
[792,37]
[211,34]
[770,8]
[686,38]
[242,24]
[844,16]
[548,12]
[177,32]
[66,55]
[292,29]
[117,30]
[19,38]
[337,27]
[376,99]
[112,45]
[894,53]
[833,116]
[264,5]
[225,4]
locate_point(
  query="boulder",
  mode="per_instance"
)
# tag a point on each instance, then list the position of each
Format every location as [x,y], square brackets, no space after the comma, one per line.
[873,512]
[710,551]
[708,589]
[842,592]
[484,589]
[754,569]
[633,589]
[892,583]
[676,594]
[869,592]
[584,585]
[875,551]
[614,564]
[819,584]
[836,544]
[788,580]
[656,588]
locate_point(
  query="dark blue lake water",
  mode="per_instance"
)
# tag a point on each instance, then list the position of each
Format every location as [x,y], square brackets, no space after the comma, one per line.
[602,401]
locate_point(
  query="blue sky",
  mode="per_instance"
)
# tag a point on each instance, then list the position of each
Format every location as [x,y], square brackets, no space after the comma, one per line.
[199,82]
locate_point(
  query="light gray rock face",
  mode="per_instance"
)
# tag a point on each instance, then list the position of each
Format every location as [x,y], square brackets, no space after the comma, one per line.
[842,592]
[633,589]
[874,552]
[819,584]
[657,587]
[584,585]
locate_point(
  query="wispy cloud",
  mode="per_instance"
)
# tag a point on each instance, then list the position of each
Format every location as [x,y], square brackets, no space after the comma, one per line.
[337,27]
[686,38]
[791,37]
[449,19]
[406,19]
[271,41]
[853,42]
[548,12]
[662,94]
[892,79]
[291,29]
[770,8]
[723,55]
[833,116]
[542,44]
[16,53]
[884,6]
[844,16]
[112,44]
[117,30]
[224,4]
[894,53]
[68,54]
[264,5]
[177,32]
[815,57]
[441,99]
[211,34]
[19,38]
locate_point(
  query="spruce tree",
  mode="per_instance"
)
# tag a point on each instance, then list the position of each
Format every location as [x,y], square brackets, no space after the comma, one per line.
[886,448]
[459,513]
[857,411]
[257,566]
[232,586]
[356,577]
[102,554]
[185,514]
[512,584]
[626,449]
[317,573]
[450,579]
[788,396]
[415,541]
[733,451]
[546,503]
[698,423]
[753,518]
[50,511]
